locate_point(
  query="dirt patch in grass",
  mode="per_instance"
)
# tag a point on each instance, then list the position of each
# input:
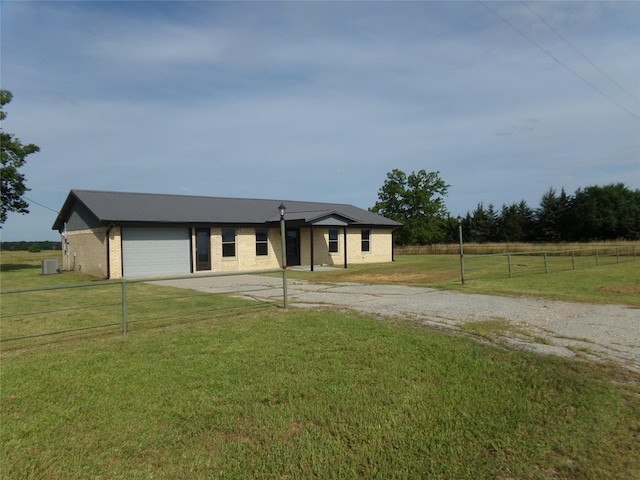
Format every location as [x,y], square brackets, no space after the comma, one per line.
[633,289]
[395,277]
[419,278]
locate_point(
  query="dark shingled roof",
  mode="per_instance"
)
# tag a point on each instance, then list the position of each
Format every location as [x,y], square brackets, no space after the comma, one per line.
[125,207]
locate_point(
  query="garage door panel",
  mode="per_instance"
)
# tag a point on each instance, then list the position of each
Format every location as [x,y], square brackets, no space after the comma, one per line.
[155,251]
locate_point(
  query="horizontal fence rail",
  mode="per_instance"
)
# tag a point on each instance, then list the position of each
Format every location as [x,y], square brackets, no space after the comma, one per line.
[59,309]
[525,263]
[511,247]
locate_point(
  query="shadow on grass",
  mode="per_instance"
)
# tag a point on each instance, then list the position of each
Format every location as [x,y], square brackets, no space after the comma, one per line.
[12,267]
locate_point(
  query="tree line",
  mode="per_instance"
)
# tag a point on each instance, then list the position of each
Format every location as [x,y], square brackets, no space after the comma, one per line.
[609,212]
[29,246]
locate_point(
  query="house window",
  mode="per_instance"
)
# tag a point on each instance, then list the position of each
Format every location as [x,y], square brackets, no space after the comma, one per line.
[262,242]
[228,242]
[333,240]
[365,240]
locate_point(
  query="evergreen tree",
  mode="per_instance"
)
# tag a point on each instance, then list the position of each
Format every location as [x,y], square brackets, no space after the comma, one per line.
[606,213]
[552,217]
[483,224]
[515,223]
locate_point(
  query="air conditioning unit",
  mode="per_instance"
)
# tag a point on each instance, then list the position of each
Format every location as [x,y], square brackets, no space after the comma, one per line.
[50,266]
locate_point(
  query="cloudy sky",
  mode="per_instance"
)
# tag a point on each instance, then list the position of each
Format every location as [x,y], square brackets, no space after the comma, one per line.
[317,101]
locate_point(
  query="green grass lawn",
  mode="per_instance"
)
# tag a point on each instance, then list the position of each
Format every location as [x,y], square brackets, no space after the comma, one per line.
[310,394]
[610,282]
[297,394]
[90,303]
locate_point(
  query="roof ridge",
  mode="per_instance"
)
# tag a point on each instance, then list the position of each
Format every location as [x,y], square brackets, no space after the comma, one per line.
[117,192]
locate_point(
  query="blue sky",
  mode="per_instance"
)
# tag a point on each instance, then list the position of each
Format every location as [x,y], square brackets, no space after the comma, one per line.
[317,101]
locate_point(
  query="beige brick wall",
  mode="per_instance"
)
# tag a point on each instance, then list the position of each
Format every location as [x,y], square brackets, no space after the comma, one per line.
[86,252]
[246,258]
[380,247]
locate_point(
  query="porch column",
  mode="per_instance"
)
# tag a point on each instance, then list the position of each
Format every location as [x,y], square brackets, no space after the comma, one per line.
[311,246]
[393,250]
[344,232]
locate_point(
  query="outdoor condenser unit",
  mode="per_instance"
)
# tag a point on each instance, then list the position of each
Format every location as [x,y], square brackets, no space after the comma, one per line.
[50,266]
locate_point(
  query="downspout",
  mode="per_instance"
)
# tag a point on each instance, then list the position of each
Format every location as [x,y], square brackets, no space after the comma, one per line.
[108,250]
[66,243]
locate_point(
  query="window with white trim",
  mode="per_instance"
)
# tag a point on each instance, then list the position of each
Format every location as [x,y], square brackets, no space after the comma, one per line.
[228,242]
[262,242]
[365,240]
[333,240]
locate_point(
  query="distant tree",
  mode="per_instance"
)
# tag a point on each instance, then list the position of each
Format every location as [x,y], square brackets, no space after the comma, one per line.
[25,246]
[417,201]
[605,213]
[515,223]
[552,217]
[483,224]
[12,157]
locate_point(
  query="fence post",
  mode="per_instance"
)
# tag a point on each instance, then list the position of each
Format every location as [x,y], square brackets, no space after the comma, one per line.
[617,254]
[283,238]
[546,265]
[597,258]
[573,259]
[509,261]
[124,307]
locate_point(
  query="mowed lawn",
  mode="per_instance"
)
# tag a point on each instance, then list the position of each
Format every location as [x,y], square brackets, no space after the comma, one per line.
[301,394]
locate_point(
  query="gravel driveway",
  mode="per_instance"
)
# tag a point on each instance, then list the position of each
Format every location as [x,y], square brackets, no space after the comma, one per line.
[607,332]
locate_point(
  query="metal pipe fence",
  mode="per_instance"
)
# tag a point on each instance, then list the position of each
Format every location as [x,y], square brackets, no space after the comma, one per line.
[62,309]
[473,248]
[525,263]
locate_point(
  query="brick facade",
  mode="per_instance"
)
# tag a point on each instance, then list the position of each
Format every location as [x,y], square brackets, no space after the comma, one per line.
[98,252]
[85,251]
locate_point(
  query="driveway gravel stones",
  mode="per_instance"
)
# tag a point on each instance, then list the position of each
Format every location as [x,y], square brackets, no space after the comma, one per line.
[597,332]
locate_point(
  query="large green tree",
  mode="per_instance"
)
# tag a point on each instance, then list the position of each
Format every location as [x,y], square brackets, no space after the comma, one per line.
[12,156]
[609,212]
[416,201]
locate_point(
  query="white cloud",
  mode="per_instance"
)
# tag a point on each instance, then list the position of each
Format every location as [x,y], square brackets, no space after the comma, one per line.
[317,101]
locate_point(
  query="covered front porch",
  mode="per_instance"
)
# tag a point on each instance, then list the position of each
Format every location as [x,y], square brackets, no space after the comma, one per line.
[333,239]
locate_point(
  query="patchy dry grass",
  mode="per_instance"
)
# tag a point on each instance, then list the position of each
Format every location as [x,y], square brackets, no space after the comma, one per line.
[633,289]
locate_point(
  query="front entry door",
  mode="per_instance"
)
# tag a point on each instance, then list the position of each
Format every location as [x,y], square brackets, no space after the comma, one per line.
[203,249]
[293,247]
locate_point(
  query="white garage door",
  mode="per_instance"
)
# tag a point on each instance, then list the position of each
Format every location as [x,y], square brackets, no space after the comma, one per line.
[155,251]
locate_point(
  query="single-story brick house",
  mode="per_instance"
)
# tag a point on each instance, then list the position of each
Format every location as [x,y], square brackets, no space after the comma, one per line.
[119,234]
